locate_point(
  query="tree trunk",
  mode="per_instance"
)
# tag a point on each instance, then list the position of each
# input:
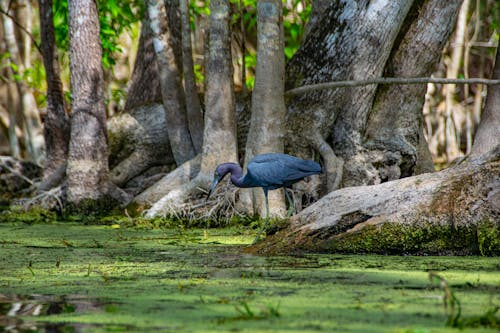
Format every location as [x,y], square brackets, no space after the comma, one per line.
[138,138]
[87,169]
[397,145]
[14,145]
[352,40]
[349,126]
[268,104]
[172,92]
[193,107]
[219,136]
[488,132]
[56,126]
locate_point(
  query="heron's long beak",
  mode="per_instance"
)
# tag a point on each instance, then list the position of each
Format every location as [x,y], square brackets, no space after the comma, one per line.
[212,187]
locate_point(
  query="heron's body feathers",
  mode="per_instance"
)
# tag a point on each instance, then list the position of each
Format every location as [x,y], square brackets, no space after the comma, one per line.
[273,171]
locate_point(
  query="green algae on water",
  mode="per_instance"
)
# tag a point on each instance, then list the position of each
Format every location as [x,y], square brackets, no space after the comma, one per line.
[201,280]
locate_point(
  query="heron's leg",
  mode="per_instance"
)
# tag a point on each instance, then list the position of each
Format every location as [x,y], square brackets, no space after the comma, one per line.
[267,204]
[291,204]
[266,221]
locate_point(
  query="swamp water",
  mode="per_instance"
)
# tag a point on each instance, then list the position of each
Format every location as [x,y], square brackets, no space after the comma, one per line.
[75,278]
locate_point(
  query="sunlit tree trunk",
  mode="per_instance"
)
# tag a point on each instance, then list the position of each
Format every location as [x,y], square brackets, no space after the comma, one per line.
[451,130]
[56,126]
[488,132]
[87,170]
[268,104]
[352,40]
[219,138]
[362,40]
[15,149]
[398,145]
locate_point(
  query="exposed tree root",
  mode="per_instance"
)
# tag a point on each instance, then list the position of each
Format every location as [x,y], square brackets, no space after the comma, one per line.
[171,182]
[52,199]
[189,202]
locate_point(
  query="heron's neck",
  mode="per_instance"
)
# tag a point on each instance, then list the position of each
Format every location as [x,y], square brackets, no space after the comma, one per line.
[236,174]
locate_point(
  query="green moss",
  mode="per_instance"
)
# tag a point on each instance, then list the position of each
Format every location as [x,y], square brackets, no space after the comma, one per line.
[93,207]
[390,238]
[488,236]
[30,216]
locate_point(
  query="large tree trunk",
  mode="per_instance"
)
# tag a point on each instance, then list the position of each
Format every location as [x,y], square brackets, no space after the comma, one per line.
[219,138]
[352,40]
[56,126]
[397,146]
[268,105]
[362,40]
[87,168]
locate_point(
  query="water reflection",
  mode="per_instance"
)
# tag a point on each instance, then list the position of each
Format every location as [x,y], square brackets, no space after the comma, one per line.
[13,306]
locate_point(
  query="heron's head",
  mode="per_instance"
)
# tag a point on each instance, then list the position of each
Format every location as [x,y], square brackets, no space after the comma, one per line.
[220,172]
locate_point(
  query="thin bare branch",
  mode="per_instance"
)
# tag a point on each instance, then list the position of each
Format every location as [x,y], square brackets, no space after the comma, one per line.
[23,29]
[385,80]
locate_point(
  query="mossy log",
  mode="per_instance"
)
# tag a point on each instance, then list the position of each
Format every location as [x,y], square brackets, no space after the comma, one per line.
[454,211]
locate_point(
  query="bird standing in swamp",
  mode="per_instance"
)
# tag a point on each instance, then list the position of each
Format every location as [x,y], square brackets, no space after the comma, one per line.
[269,171]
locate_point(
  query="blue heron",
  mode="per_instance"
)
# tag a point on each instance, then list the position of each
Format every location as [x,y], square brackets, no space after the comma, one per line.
[269,171]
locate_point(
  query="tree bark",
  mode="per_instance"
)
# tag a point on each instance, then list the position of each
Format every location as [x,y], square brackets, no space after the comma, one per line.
[352,40]
[172,92]
[56,126]
[219,136]
[397,145]
[138,137]
[193,107]
[488,132]
[266,134]
[87,169]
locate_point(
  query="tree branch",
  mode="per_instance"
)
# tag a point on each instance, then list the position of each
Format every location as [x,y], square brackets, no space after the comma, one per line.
[23,29]
[388,80]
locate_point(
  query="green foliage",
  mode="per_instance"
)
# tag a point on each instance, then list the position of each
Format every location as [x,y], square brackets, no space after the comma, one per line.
[295,16]
[295,19]
[114,17]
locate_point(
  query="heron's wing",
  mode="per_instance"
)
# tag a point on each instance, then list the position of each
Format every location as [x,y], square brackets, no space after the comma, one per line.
[277,170]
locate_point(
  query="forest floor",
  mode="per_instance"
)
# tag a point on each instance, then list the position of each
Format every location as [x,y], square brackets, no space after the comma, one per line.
[69,277]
